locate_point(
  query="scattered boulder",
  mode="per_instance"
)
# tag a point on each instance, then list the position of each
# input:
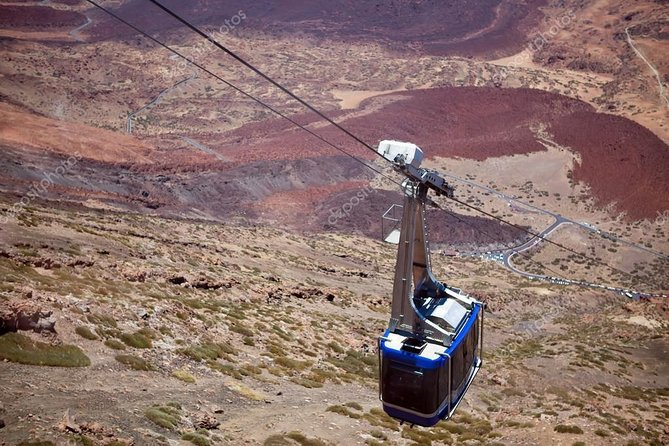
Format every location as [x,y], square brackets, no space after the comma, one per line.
[206,421]
[67,424]
[26,316]
[276,295]
[177,280]
[206,284]
[81,262]
[498,380]
[135,276]
[201,282]
[46,263]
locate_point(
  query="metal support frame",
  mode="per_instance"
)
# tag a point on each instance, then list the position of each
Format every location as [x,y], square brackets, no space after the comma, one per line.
[417,296]
[413,272]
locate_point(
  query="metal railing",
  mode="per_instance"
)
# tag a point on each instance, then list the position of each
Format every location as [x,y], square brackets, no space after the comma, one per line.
[391,219]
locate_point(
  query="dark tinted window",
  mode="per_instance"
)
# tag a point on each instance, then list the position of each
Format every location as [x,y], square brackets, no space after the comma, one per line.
[409,387]
[463,358]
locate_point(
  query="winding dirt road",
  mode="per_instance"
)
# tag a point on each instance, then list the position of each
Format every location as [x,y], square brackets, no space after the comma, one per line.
[663,96]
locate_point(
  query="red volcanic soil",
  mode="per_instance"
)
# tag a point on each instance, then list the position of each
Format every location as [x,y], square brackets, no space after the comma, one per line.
[26,130]
[32,17]
[459,27]
[622,162]
[468,122]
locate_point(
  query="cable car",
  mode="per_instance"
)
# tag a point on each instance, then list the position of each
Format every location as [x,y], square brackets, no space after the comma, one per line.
[432,348]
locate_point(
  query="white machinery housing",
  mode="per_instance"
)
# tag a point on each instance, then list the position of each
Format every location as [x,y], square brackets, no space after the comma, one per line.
[401,152]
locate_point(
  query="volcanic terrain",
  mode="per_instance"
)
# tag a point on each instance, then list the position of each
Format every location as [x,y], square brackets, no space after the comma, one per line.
[179,265]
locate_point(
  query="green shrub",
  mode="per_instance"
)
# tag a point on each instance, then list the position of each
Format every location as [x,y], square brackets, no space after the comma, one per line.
[136,340]
[357,364]
[336,347]
[184,376]
[36,443]
[306,382]
[164,416]
[85,333]
[377,417]
[207,351]
[378,434]
[105,321]
[16,347]
[249,369]
[292,364]
[342,410]
[277,440]
[568,429]
[149,333]
[115,344]
[242,330]
[85,441]
[228,369]
[134,362]
[303,440]
[452,427]
[196,439]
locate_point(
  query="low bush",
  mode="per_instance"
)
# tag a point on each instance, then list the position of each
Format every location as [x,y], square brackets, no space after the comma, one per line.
[16,347]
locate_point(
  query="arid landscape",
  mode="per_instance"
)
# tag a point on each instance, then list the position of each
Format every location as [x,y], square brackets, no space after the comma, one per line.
[181,266]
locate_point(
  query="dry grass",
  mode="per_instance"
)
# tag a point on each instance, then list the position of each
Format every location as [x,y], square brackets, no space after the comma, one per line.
[16,347]
[115,344]
[167,416]
[293,437]
[245,391]
[184,376]
[196,439]
[135,362]
[136,340]
[85,333]
[208,350]
[568,429]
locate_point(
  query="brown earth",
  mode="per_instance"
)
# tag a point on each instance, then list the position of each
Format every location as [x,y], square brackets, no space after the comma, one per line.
[299,310]
[296,320]
[34,17]
[21,129]
[594,40]
[273,161]
[486,27]
[625,164]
